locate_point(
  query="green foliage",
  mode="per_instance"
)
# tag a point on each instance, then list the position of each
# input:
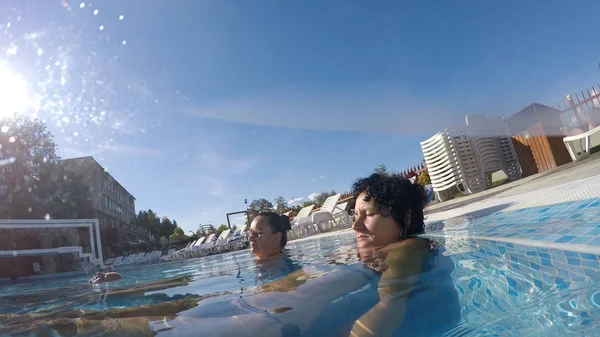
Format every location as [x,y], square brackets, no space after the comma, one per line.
[177,235]
[211,230]
[69,198]
[200,232]
[381,169]
[257,206]
[280,205]
[320,198]
[221,229]
[151,222]
[261,205]
[33,185]
[423,178]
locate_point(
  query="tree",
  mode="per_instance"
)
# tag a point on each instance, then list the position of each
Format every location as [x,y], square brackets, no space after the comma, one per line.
[177,234]
[280,204]
[261,205]
[381,169]
[424,178]
[150,221]
[167,226]
[320,198]
[221,229]
[28,144]
[211,230]
[68,198]
[31,185]
[257,206]
[200,232]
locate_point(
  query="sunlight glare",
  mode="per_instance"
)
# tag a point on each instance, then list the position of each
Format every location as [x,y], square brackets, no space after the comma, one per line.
[13,93]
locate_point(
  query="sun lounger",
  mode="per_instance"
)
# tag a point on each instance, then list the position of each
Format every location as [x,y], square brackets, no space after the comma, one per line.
[323,219]
[221,243]
[302,219]
[238,240]
[118,261]
[208,245]
[579,146]
[169,255]
[195,249]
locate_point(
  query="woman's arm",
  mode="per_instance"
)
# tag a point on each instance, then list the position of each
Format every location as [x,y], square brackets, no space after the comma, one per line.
[404,262]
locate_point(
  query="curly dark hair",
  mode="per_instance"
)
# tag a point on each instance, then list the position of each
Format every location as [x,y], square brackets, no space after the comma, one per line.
[395,196]
[278,224]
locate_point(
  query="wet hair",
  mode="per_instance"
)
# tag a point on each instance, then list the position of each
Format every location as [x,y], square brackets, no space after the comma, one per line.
[395,196]
[278,224]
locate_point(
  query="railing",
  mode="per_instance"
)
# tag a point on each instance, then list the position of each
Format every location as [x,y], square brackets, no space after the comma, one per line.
[574,107]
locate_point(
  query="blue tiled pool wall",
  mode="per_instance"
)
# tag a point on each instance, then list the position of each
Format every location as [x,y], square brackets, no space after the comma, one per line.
[525,288]
[571,222]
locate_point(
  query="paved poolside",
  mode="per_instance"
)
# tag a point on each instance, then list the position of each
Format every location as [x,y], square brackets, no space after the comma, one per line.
[556,209]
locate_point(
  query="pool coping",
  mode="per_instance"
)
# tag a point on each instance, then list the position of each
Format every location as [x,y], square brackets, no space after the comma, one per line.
[588,249]
[578,248]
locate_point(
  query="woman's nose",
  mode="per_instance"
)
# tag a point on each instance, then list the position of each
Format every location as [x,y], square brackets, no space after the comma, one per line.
[358,224]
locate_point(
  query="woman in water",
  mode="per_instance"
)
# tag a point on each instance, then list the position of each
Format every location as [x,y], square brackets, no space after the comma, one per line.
[268,234]
[387,216]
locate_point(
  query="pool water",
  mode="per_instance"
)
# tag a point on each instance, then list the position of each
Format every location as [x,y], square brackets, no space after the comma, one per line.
[467,288]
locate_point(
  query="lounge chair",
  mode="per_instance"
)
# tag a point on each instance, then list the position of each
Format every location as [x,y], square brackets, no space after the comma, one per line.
[118,261]
[169,255]
[208,244]
[195,250]
[109,262]
[579,146]
[238,240]
[302,219]
[221,244]
[181,253]
[323,219]
[155,258]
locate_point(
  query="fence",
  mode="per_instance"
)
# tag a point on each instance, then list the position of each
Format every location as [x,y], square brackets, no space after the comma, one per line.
[573,108]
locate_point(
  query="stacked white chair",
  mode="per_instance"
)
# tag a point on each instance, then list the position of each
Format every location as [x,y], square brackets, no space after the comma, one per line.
[465,158]
[451,163]
[493,147]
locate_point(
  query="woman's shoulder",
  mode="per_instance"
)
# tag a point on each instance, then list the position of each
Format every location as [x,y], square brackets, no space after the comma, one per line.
[413,245]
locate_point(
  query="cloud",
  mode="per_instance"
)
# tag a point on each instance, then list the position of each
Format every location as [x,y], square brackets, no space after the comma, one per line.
[389,111]
[214,161]
[112,148]
[322,177]
[313,196]
[211,171]
[295,202]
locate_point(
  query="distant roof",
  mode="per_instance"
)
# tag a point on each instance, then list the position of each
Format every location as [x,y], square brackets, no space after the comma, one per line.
[530,115]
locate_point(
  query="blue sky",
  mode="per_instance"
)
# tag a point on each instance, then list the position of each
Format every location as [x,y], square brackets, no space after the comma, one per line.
[195,106]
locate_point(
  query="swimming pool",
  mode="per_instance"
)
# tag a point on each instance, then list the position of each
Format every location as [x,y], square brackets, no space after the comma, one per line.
[469,287]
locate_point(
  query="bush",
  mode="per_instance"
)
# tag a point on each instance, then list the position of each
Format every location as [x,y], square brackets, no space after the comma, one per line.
[423,178]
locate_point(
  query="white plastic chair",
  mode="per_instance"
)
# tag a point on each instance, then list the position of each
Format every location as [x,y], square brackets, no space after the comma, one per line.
[221,243]
[302,219]
[323,218]
[579,146]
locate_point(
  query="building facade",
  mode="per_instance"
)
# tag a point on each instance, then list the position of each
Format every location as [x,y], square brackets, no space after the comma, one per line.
[113,205]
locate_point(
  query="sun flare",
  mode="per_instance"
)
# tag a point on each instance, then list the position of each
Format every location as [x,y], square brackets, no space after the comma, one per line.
[13,93]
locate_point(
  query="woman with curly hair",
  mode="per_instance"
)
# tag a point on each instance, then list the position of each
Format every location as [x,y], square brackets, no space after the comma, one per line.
[324,300]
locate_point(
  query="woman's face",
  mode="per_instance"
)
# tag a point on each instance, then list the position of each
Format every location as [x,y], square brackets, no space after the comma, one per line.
[263,242]
[370,227]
